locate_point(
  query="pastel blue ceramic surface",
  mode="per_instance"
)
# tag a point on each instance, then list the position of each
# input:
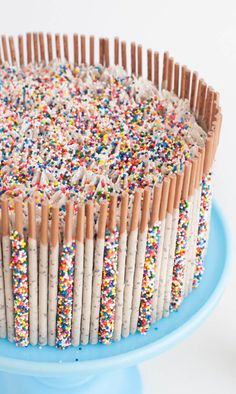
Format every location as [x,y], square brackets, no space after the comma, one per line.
[99,368]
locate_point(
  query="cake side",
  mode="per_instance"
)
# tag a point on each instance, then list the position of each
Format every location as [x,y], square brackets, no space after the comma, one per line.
[107,267]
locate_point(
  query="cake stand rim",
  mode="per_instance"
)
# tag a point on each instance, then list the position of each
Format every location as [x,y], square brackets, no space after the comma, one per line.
[132,357]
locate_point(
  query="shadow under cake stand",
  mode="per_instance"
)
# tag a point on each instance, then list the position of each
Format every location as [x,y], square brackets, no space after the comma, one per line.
[94,369]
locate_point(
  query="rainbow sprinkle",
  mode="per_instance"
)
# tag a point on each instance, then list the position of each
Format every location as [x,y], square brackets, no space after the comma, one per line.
[65,296]
[108,289]
[150,264]
[180,255]
[205,205]
[88,131]
[19,265]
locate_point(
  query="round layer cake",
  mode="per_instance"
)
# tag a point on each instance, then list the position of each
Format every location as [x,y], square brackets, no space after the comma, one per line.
[105,189]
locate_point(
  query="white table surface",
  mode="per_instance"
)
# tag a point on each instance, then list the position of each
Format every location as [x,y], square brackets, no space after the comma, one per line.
[202,35]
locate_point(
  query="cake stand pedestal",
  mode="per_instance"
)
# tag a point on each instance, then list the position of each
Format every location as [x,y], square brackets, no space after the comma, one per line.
[96,369]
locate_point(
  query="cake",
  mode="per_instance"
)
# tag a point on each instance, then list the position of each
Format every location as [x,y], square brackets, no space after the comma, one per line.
[106,189]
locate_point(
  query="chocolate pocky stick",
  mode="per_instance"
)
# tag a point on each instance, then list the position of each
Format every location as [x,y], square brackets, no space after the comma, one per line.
[43,276]
[78,276]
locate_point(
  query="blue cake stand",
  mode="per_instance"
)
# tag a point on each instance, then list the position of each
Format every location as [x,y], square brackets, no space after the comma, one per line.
[96,369]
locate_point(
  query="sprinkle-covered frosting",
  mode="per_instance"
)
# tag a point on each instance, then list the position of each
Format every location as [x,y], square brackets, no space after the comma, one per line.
[148,283]
[108,288]
[177,291]
[19,265]
[83,133]
[203,226]
[88,131]
[65,296]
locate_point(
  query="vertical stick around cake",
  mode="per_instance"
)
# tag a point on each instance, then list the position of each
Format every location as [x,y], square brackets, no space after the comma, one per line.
[175,219]
[19,265]
[166,262]
[130,264]
[43,276]
[97,273]
[53,276]
[66,282]
[33,274]
[121,266]
[88,273]
[109,276]
[150,264]
[6,258]
[139,263]
[162,216]
[3,326]
[78,276]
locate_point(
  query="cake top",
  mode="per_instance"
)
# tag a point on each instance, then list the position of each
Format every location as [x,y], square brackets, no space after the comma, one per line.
[88,131]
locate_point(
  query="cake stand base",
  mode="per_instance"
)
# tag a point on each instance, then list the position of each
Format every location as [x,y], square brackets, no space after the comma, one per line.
[126,380]
[94,369]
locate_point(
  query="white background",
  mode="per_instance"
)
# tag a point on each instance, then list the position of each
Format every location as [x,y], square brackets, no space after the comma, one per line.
[201,34]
